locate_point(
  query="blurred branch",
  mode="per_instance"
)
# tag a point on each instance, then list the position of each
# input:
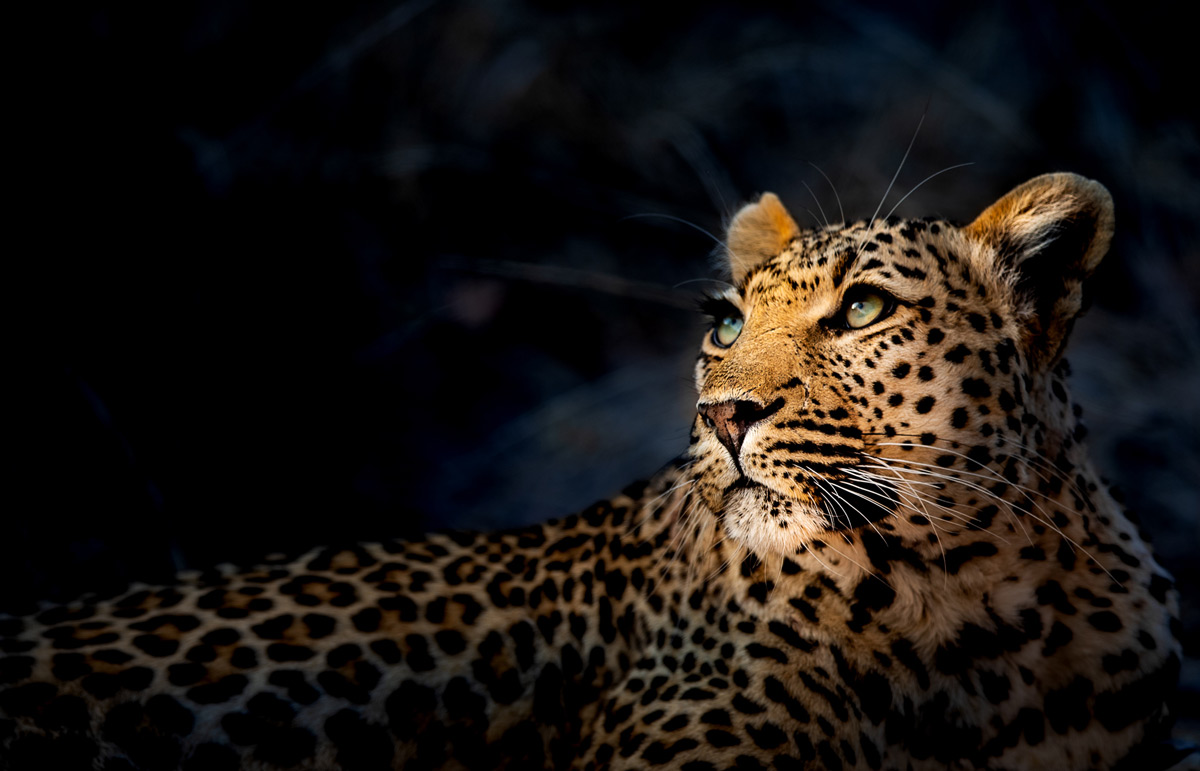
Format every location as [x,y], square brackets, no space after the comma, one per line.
[214,156]
[940,73]
[575,278]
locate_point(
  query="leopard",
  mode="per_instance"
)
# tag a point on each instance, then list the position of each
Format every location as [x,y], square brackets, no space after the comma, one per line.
[884,547]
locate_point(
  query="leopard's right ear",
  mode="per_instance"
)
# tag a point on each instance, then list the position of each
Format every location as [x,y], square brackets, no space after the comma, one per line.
[1045,237]
[758,232]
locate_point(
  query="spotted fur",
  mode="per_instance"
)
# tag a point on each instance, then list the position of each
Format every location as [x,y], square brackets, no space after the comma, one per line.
[885,548]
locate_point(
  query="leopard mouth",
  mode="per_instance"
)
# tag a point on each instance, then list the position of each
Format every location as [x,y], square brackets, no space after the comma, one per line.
[744,483]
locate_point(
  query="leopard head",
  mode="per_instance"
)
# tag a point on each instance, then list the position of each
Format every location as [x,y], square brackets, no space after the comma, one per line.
[894,372]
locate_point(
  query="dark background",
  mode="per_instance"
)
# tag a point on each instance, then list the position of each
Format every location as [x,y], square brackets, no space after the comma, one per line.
[306,274]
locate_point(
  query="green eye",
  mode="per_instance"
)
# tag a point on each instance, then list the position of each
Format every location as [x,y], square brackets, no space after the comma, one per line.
[727,331]
[864,306]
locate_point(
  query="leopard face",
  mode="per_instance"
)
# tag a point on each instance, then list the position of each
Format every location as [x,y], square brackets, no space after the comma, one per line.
[896,370]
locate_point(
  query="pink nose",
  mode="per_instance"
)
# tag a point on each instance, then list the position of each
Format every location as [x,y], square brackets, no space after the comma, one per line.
[731,420]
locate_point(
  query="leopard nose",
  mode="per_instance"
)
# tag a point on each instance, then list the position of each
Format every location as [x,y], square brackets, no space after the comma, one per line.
[732,419]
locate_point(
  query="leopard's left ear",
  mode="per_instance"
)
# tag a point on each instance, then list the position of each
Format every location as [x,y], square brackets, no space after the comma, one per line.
[759,231]
[1047,236]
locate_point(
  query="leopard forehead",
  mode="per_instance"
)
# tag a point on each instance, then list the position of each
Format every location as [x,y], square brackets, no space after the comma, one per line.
[909,257]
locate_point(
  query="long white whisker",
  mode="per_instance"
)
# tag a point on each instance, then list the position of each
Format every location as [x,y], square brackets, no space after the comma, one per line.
[728,286]
[840,502]
[818,202]
[993,473]
[840,486]
[922,182]
[880,482]
[896,176]
[963,518]
[1037,461]
[876,480]
[1041,516]
[673,218]
[832,187]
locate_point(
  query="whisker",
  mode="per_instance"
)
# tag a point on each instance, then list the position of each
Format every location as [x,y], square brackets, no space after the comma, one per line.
[1041,516]
[896,176]
[950,513]
[813,214]
[818,202]
[836,197]
[673,218]
[648,504]
[960,517]
[922,182]
[994,474]
[851,489]
[1039,460]
[728,286]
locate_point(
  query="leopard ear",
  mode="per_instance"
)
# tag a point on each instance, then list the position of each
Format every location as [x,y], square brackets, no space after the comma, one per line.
[758,232]
[1046,236]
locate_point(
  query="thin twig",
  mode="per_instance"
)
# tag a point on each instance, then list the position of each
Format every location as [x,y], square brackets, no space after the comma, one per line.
[559,275]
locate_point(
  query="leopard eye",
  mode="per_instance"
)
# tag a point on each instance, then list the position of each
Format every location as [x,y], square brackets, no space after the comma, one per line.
[725,332]
[863,306]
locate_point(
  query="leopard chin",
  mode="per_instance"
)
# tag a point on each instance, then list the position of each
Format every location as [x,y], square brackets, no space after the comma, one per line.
[766,521]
